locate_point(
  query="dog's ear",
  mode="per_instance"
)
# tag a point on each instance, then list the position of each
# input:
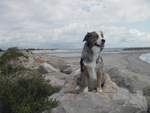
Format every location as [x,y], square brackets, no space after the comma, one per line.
[87,36]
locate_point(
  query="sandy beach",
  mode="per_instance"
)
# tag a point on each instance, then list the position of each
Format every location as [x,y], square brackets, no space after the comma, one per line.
[126,60]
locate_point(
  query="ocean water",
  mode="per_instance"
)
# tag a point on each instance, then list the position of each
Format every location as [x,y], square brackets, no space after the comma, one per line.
[71,52]
[145,57]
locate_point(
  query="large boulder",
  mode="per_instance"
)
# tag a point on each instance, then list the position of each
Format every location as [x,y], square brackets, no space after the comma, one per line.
[112,100]
[100,103]
[60,64]
[121,79]
[57,79]
[46,68]
[127,102]
[129,80]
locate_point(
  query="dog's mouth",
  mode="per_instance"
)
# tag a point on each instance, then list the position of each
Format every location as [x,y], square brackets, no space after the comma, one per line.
[102,43]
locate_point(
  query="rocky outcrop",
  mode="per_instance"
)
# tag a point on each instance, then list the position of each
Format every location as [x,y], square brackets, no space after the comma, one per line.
[115,97]
[60,64]
[122,102]
[129,80]
[46,68]
[112,100]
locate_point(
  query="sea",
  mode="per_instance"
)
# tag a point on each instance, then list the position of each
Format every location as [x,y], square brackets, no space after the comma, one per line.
[71,52]
[145,57]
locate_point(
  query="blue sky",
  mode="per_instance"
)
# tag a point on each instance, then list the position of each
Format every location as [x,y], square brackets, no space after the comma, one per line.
[64,23]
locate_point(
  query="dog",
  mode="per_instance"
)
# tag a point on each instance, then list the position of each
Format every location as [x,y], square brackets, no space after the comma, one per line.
[91,62]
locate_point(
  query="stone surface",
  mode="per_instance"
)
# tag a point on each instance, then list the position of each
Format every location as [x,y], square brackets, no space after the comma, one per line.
[115,97]
[56,78]
[129,80]
[100,103]
[112,100]
[47,68]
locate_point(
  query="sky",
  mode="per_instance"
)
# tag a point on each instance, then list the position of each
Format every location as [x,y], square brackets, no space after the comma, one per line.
[64,23]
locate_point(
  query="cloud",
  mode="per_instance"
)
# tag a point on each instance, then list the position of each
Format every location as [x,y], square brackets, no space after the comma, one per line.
[71,37]
[55,23]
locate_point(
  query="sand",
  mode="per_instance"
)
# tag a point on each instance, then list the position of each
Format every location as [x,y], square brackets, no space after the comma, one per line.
[125,60]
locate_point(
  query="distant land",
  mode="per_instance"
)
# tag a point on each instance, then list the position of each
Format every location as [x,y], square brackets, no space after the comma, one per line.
[79,49]
[137,48]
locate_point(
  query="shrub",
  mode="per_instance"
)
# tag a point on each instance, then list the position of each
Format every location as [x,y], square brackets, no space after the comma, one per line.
[26,95]
[11,53]
[8,61]
[146,91]
[23,90]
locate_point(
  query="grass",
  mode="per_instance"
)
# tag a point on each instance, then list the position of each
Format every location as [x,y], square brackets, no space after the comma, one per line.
[27,91]
[9,61]
[11,54]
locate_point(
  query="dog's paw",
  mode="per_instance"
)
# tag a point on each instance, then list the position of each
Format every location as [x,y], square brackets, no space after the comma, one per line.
[86,90]
[99,90]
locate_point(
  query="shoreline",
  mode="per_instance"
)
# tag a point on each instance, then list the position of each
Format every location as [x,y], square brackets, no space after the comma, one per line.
[124,60]
[145,57]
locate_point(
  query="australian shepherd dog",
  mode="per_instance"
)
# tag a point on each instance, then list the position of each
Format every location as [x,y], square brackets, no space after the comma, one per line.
[91,62]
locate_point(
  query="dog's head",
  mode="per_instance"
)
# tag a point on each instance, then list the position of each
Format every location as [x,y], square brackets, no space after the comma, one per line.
[94,39]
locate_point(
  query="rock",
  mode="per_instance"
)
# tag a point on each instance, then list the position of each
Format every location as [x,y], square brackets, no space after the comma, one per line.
[83,103]
[112,100]
[60,64]
[99,103]
[56,78]
[66,69]
[129,103]
[110,87]
[126,79]
[56,82]
[47,68]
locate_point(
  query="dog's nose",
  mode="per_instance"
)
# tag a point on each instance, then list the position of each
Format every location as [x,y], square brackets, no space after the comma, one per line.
[103,41]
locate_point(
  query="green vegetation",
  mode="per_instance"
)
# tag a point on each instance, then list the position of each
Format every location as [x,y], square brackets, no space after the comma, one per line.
[146,91]
[9,61]
[11,54]
[27,91]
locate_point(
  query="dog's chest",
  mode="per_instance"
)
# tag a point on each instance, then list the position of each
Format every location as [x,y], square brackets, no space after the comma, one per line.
[92,65]
[96,52]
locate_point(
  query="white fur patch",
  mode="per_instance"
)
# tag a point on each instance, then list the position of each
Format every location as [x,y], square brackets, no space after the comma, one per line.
[92,65]
[99,41]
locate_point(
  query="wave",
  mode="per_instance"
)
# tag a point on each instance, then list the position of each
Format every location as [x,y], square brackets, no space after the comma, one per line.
[145,57]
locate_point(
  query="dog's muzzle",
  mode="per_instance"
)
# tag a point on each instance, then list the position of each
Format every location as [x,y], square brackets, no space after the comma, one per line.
[103,41]
[102,44]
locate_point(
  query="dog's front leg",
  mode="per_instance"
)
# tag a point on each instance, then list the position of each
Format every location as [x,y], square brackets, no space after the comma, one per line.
[99,80]
[86,80]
